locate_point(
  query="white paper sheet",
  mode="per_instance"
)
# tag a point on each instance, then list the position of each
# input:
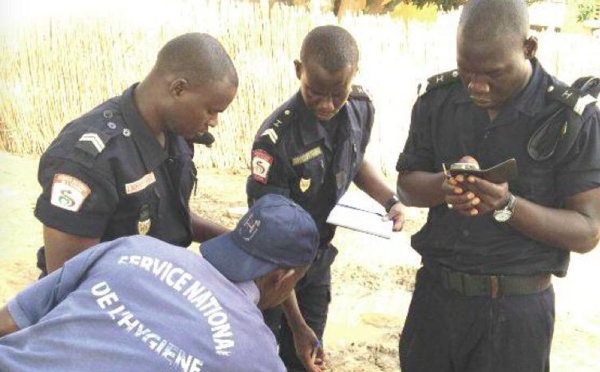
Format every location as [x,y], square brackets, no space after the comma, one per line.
[357,211]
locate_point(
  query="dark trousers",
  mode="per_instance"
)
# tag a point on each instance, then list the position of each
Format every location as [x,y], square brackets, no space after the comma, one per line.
[313,293]
[41,262]
[449,332]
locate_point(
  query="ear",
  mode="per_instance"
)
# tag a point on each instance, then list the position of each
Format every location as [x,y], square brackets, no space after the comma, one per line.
[298,66]
[178,86]
[530,47]
[283,276]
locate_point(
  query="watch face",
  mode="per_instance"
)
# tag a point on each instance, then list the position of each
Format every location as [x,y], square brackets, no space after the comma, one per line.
[502,215]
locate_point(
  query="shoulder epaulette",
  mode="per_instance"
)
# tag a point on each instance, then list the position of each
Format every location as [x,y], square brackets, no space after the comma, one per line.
[577,96]
[272,130]
[439,80]
[360,92]
[96,136]
[557,132]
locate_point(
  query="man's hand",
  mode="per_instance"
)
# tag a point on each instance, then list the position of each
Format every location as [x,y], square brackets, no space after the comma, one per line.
[459,197]
[396,214]
[472,196]
[304,341]
[491,196]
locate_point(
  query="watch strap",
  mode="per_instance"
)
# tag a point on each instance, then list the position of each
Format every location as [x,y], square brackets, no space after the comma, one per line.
[393,200]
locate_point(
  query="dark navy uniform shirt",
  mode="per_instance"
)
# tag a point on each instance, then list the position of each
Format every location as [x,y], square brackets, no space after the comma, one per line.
[297,156]
[446,126]
[106,176]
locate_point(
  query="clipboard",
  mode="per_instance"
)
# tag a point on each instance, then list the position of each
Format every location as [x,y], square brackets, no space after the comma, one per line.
[357,211]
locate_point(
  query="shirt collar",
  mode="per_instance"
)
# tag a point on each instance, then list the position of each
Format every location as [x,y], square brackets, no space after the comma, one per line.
[150,150]
[529,101]
[312,130]
[250,289]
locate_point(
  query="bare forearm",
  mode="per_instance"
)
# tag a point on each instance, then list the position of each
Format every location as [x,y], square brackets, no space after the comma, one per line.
[203,229]
[421,189]
[292,312]
[371,181]
[7,323]
[563,228]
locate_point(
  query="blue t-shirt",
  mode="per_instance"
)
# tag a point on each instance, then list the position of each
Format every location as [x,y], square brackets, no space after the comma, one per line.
[138,304]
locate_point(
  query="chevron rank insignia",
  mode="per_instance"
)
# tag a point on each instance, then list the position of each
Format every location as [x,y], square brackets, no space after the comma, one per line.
[270,134]
[92,143]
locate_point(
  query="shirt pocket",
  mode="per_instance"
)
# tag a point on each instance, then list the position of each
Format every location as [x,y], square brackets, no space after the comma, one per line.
[310,175]
[136,213]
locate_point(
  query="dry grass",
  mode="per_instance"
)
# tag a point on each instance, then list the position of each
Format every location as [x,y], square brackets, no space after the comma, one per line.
[55,69]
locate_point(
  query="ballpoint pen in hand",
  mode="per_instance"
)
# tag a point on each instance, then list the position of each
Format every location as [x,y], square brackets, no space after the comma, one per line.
[316,346]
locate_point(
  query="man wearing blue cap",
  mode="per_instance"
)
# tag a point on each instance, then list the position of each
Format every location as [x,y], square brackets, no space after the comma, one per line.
[137,304]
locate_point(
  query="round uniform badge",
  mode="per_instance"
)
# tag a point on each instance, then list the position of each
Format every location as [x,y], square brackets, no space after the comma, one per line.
[144,223]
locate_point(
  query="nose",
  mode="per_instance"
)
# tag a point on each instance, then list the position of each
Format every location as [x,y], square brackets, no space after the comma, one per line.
[478,85]
[326,104]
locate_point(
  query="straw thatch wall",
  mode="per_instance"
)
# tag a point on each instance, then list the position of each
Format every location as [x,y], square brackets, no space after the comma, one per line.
[55,68]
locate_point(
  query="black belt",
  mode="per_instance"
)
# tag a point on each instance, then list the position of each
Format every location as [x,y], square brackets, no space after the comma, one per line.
[490,285]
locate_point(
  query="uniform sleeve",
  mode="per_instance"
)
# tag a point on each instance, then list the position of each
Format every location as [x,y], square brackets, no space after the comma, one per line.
[581,169]
[418,154]
[369,127]
[75,199]
[269,174]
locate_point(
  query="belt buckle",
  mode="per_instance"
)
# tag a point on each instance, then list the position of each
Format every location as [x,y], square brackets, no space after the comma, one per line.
[494,286]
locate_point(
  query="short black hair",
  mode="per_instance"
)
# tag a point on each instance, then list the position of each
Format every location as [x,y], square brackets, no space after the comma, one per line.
[331,47]
[197,57]
[487,20]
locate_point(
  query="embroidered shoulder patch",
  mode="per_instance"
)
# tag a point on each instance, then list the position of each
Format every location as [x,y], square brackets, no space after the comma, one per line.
[261,162]
[68,192]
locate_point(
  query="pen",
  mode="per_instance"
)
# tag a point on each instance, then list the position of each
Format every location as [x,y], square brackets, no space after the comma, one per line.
[445,170]
[316,345]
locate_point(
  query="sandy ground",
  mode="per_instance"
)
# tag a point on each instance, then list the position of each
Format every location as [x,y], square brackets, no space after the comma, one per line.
[372,281]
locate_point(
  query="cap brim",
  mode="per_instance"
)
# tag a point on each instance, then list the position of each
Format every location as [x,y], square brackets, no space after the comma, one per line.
[232,261]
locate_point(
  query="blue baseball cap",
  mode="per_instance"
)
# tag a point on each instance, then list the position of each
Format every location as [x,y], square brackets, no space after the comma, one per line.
[274,233]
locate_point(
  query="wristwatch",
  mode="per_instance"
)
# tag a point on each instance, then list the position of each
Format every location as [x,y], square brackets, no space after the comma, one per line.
[504,214]
[391,202]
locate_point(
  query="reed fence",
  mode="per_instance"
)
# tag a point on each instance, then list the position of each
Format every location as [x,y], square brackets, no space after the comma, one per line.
[55,68]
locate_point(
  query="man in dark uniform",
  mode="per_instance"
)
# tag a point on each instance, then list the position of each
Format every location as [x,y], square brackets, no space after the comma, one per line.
[310,149]
[483,299]
[126,167]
